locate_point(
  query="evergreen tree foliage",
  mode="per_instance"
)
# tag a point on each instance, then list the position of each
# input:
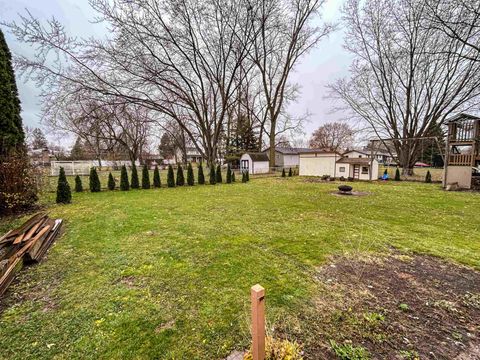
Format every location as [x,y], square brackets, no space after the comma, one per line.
[397,175]
[290,173]
[170,177]
[201,176]
[111,182]
[145,178]
[229,174]
[385,172]
[94,180]
[212,179]
[283,173]
[156,178]
[428,177]
[190,176]
[233,176]
[244,177]
[247,176]
[78,184]
[124,185]
[134,183]
[64,195]
[180,177]
[12,136]
[218,174]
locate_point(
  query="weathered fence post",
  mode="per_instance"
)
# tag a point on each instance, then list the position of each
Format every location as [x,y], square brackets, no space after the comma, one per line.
[258,322]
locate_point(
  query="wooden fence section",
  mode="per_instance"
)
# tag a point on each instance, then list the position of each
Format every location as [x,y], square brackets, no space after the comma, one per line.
[461,159]
[258,322]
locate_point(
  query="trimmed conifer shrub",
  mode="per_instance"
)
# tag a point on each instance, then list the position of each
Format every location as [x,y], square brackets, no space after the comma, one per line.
[64,195]
[247,175]
[78,184]
[156,178]
[385,172]
[233,176]
[397,175]
[134,184]
[212,178]
[201,176]
[180,177]
[229,174]
[218,174]
[428,177]
[244,177]
[283,173]
[145,178]
[190,176]
[94,181]
[124,185]
[290,173]
[111,182]
[170,177]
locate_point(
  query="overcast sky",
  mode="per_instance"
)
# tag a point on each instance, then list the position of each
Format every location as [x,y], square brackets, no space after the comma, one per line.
[321,66]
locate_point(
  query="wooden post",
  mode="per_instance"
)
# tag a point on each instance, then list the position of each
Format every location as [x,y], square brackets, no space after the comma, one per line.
[258,322]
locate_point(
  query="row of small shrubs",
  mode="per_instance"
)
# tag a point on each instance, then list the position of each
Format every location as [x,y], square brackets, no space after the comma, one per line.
[215,177]
[428,175]
[290,172]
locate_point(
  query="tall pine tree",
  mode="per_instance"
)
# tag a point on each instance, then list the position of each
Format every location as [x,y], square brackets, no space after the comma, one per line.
[218,174]
[190,177]
[180,177]
[212,178]
[156,178]
[170,177]
[12,135]
[94,181]
[111,182]
[124,185]
[134,184]
[201,176]
[229,174]
[145,178]
[64,195]
[78,184]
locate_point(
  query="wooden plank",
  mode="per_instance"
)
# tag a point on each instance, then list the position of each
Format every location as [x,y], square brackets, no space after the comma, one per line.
[48,242]
[28,224]
[33,251]
[5,237]
[18,239]
[29,244]
[257,293]
[8,276]
[34,228]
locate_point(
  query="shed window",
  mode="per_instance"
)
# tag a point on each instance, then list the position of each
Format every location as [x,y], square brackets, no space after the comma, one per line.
[364,169]
[342,169]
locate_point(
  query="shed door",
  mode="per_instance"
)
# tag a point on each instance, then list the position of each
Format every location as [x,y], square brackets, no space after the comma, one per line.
[245,165]
[356,171]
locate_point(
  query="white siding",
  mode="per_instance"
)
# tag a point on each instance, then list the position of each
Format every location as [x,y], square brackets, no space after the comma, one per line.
[346,173]
[312,164]
[257,167]
[260,167]
[291,160]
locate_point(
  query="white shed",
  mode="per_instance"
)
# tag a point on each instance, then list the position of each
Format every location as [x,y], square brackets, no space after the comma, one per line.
[318,162]
[255,163]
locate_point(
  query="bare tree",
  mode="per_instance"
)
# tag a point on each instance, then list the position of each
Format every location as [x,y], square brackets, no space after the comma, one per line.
[333,136]
[284,32]
[459,20]
[176,57]
[407,76]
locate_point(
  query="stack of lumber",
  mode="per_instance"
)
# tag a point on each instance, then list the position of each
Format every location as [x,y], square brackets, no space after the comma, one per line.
[26,244]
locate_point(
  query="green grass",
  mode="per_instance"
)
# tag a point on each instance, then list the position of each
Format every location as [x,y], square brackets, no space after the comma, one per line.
[166,273]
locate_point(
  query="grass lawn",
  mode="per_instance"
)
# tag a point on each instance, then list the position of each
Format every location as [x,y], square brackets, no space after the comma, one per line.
[166,273]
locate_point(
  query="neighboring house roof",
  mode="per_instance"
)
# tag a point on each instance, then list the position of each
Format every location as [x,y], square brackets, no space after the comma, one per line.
[258,156]
[288,150]
[462,116]
[362,161]
[356,150]
[319,151]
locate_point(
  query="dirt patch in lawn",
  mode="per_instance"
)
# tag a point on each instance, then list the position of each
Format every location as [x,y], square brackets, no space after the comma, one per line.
[397,307]
[351,194]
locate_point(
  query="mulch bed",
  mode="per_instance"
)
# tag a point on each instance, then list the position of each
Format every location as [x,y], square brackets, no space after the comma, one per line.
[397,307]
